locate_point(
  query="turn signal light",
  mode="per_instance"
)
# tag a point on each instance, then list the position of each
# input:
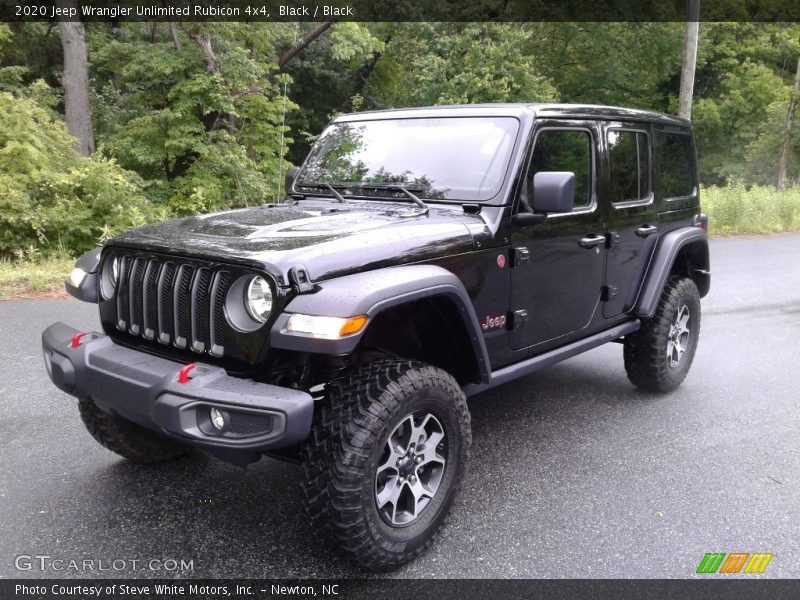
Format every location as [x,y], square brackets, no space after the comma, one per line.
[353,325]
[330,328]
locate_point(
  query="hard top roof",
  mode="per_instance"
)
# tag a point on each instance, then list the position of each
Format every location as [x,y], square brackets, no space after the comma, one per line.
[540,110]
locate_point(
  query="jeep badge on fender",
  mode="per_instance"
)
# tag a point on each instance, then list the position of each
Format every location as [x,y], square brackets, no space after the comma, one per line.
[341,327]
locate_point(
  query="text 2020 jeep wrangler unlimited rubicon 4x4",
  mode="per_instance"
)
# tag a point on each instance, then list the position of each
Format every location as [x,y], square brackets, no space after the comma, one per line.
[422,256]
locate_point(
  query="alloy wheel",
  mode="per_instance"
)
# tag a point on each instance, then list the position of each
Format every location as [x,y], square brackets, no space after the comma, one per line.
[410,469]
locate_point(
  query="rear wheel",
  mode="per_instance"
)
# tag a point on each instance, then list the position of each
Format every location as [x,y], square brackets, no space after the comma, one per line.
[126,438]
[658,356]
[385,460]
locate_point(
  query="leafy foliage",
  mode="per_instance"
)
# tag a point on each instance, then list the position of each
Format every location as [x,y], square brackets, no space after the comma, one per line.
[454,63]
[196,117]
[50,196]
[204,136]
[736,208]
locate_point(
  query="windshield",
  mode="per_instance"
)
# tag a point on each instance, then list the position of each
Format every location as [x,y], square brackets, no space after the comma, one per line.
[450,158]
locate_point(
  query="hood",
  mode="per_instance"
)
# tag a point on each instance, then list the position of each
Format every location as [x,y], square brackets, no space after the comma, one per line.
[329,239]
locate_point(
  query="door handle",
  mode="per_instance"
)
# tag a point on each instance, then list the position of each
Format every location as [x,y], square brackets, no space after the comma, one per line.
[592,241]
[646,230]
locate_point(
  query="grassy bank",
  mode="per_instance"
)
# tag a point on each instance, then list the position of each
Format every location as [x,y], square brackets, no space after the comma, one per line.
[732,210]
[42,277]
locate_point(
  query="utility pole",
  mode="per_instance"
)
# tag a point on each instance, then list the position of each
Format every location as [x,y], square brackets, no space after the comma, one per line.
[690,34]
[787,136]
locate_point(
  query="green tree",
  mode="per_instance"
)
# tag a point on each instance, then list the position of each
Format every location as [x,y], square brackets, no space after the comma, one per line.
[448,63]
[49,195]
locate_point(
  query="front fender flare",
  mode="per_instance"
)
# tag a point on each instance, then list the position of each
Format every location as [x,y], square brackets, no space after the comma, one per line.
[371,293]
[88,290]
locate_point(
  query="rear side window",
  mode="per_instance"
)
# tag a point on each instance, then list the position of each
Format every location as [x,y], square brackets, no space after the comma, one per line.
[675,169]
[629,157]
[562,150]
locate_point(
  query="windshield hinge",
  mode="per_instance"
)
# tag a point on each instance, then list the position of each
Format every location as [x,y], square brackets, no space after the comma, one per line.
[472,209]
[298,275]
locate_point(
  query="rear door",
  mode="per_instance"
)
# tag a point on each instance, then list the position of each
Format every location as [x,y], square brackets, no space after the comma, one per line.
[557,266]
[631,213]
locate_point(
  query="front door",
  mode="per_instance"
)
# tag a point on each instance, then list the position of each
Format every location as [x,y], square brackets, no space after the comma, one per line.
[557,266]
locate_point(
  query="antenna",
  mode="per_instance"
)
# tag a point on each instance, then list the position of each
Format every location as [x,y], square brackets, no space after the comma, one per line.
[283,126]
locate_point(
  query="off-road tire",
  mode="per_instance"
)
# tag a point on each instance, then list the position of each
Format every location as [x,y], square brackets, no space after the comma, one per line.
[349,434]
[645,351]
[126,438]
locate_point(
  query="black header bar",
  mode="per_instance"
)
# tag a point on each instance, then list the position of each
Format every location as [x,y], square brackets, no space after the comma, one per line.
[400,10]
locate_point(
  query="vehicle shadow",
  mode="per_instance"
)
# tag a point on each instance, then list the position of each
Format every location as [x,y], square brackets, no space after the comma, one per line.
[235,522]
[230,521]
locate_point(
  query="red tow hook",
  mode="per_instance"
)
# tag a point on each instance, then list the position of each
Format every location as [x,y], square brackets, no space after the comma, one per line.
[183,374]
[76,339]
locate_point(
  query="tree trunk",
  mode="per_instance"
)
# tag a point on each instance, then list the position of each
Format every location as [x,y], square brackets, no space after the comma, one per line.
[787,136]
[312,35]
[175,39]
[75,81]
[690,34]
[203,40]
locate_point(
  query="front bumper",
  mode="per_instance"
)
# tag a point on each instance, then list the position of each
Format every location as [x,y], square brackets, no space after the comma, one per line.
[146,389]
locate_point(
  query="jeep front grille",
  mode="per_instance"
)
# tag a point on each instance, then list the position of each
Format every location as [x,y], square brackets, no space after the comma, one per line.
[172,302]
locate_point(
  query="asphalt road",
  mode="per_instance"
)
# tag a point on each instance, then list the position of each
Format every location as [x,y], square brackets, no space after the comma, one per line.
[574,472]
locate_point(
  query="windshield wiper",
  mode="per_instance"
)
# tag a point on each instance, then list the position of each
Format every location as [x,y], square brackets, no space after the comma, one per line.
[393,186]
[325,186]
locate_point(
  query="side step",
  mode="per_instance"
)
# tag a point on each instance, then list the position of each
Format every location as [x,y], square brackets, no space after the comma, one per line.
[531,365]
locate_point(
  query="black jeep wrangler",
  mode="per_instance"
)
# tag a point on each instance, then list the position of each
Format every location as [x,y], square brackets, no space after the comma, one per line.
[421,256]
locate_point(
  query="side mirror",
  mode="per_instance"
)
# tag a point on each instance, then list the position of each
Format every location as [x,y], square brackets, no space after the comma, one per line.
[291,175]
[553,192]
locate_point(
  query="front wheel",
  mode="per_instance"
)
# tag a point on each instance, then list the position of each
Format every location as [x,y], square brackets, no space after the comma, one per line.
[126,438]
[659,355]
[385,460]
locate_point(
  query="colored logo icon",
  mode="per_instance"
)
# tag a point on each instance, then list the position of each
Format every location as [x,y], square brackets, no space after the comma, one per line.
[735,562]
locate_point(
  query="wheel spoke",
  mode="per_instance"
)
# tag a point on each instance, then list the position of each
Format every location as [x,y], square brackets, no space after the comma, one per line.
[395,454]
[429,452]
[419,493]
[419,433]
[390,493]
[681,345]
[683,320]
[406,434]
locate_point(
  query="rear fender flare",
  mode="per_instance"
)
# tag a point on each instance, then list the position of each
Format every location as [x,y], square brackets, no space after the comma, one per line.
[661,265]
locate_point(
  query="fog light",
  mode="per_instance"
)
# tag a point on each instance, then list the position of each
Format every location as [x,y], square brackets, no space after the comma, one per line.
[217,420]
[77,276]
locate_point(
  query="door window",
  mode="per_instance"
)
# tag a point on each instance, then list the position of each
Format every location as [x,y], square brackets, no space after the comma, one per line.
[629,158]
[675,173]
[565,150]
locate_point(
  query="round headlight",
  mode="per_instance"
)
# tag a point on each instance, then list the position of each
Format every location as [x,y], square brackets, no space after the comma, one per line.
[258,299]
[109,276]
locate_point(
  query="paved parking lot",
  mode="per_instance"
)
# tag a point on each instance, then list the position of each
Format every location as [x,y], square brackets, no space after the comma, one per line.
[574,472]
